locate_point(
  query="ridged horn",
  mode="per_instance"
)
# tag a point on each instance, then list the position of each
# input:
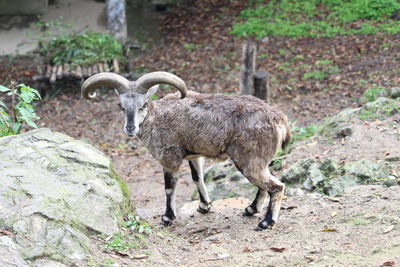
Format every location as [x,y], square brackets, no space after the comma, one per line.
[113,80]
[160,77]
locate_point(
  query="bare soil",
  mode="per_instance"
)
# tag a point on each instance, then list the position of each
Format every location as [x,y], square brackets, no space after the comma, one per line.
[361,228]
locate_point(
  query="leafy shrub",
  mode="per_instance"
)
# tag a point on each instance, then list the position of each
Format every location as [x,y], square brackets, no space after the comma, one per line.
[83,49]
[296,18]
[374,92]
[11,119]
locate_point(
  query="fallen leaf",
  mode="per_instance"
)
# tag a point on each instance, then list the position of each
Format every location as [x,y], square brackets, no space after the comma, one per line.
[288,207]
[199,230]
[328,230]
[333,199]
[387,230]
[388,263]
[5,232]
[333,214]
[139,256]
[247,250]
[277,249]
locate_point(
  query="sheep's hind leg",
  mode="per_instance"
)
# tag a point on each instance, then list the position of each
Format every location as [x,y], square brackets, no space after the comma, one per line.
[276,190]
[196,168]
[170,185]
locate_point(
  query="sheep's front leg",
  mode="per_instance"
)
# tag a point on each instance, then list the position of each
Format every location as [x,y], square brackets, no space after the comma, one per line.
[196,168]
[170,185]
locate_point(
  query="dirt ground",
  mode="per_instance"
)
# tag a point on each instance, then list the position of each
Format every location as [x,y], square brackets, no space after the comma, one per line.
[361,228]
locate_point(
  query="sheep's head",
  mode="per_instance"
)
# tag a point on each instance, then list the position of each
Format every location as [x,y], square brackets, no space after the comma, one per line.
[133,96]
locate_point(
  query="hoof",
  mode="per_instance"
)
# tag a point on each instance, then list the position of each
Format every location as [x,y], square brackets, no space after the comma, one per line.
[249,211]
[204,208]
[166,221]
[265,224]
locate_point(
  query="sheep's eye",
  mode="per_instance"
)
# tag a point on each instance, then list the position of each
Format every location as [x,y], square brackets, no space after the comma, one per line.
[142,108]
[120,106]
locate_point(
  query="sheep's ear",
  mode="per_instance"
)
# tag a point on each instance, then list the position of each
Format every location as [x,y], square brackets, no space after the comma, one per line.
[152,91]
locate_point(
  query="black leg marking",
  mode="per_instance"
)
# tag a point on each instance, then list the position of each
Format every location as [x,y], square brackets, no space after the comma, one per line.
[267,222]
[170,184]
[252,209]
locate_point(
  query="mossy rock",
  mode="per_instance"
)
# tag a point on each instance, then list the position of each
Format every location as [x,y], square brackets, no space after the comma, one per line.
[55,193]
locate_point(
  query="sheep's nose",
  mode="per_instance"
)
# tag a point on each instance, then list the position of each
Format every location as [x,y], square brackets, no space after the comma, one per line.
[130,128]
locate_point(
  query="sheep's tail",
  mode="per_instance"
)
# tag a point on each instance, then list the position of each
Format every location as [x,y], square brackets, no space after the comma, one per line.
[284,132]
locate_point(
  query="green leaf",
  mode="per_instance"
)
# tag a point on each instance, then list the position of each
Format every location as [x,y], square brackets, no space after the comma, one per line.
[17,127]
[31,123]
[141,229]
[4,89]
[3,105]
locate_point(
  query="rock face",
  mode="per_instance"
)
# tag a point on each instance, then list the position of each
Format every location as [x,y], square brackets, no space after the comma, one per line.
[223,180]
[55,192]
[333,178]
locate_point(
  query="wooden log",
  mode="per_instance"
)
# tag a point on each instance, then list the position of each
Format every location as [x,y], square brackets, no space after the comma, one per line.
[106,67]
[48,71]
[78,72]
[100,67]
[66,70]
[84,72]
[115,65]
[89,71]
[247,69]
[261,85]
[53,74]
[94,69]
[72,73]
[59,72]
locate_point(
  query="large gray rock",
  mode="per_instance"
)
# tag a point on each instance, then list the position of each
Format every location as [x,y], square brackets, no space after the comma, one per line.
[367,171]
[223,180]
[298,172]
[55,192]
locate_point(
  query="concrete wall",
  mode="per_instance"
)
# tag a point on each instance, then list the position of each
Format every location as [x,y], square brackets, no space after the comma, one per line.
[21,7]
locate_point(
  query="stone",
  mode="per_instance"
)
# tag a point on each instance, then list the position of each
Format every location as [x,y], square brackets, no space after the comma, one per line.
[314,177]
[55,192]
[10,255]
[297,172]
[394,92]
[337,186]
[365,170]
[344,131]
[223,180]
[290,191]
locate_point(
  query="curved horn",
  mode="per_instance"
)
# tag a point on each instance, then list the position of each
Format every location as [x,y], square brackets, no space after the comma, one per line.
[104,79]
[158,77]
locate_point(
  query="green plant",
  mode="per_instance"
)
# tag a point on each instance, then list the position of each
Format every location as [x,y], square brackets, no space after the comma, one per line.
[317,75]
[21,110]
[189,47]
[295,18]
[82,49]
[300,133]
[135,224]
[262,56]
[372,93]
[119,243]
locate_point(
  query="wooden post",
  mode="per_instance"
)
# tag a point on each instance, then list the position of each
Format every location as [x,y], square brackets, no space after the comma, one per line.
[261,85]
[247,69]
